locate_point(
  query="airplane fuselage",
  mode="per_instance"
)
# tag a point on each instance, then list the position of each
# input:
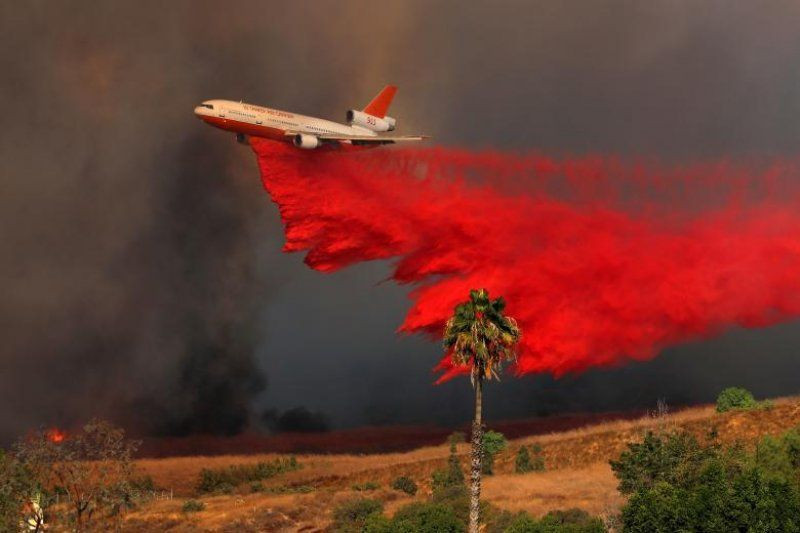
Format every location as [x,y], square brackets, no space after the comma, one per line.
[268,123]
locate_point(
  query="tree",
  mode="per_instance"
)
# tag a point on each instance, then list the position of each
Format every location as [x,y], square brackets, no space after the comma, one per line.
[735,398]
[675,483]
[481,338]
[93,467]
[18,496]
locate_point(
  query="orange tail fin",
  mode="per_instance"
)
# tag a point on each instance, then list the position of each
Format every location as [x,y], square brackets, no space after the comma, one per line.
[380,104]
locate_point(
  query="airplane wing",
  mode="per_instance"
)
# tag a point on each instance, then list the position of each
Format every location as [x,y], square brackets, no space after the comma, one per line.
[375,139]
[366,139]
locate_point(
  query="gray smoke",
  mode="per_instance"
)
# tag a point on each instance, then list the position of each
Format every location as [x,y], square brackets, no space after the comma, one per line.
[142,277]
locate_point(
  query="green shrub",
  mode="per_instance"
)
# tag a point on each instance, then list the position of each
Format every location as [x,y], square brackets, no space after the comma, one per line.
[16,486]
[456,497]
[281,489]
[572,521]
[791,440]
[498,520]
[427,518]
[351,516]
[735,398]
[523,523]
[456,437]
[226,479]
[659,457]
[771,456]
[452,476]
[405,484]
[366,486]
[143,484]
[766,405]
[193,506]
[378,523]
[493,443]
[676,484]
[744,502]
[524,463]
[569,521]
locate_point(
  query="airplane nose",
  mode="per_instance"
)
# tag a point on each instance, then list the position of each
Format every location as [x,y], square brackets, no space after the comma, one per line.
[199,111]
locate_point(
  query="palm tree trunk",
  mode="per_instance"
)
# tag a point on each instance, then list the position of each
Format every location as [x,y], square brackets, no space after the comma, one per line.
[477,456]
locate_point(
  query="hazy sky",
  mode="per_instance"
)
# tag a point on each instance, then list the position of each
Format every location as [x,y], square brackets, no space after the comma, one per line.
[142,276]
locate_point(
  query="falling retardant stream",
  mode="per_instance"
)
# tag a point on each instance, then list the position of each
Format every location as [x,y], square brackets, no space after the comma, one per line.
[601,259]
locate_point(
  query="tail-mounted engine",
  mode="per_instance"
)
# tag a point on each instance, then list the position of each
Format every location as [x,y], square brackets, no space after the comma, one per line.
[365,120]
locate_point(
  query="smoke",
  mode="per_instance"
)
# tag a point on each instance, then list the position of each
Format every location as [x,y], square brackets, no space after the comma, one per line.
[131,283]
[297,420]
[600,261]
[141,276]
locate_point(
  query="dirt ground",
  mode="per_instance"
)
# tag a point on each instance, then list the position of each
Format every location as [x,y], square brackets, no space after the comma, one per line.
[577,475]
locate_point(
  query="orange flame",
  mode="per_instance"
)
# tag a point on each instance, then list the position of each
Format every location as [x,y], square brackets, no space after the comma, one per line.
[55,435]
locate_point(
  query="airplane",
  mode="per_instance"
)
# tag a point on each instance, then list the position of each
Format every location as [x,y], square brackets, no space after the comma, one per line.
[365,128]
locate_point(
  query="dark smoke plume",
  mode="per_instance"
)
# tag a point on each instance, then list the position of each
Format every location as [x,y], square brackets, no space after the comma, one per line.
[298,419]
[131,283]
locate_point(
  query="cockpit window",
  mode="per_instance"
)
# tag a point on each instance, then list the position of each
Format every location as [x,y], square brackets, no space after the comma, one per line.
[207,105]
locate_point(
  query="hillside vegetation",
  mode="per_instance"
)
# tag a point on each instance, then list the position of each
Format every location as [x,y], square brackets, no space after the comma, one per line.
[576,475]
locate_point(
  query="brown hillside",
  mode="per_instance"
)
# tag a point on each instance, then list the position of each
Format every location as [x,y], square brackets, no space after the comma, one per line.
[577,474]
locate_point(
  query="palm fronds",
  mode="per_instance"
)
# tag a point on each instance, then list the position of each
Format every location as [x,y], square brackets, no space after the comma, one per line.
[481,336]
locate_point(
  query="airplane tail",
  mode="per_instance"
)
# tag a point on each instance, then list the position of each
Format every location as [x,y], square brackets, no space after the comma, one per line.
[380,104]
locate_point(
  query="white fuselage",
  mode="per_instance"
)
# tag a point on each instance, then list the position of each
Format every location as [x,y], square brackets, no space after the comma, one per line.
[249,119]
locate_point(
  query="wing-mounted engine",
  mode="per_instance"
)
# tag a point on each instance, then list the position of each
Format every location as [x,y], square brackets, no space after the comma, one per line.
[306,142]
[370,122]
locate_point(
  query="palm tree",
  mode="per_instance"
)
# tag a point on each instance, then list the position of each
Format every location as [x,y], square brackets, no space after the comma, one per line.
[478,335]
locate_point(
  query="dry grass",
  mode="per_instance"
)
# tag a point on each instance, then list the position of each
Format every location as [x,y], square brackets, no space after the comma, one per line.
[591,488]
[577,474]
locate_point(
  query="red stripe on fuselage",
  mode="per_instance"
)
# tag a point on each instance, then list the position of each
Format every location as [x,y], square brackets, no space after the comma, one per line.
[256,130]
[273,134]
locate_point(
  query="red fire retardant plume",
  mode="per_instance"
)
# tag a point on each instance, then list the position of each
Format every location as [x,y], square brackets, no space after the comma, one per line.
[600,260]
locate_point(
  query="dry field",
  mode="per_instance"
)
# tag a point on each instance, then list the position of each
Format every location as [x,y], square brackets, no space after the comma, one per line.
[577,474]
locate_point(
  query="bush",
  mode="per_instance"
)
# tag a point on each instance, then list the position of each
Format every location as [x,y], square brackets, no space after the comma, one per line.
[143,483]
[455,497]
[193,506]
[225,479]
[378,523]
[16,487]
[569,521]
[676,484]
[281,489]
[524,463]
[493,443]
[744,502]
[672,457]
[367,486]
[351,516]
[735,398]
[456,437]
[427,518]
[791,440]
[572,521]
[452,476]
[498,520]
[405,484]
